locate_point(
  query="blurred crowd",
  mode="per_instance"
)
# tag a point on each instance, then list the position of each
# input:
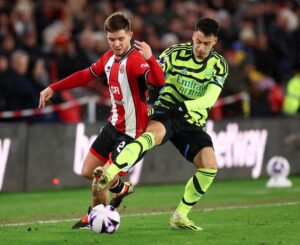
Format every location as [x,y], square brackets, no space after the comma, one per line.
[43,41]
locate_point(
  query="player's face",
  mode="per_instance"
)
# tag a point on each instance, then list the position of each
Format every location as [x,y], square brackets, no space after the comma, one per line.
[203,44]
[119,42]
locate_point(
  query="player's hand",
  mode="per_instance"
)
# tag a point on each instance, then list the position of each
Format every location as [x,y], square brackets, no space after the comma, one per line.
[143,48]
[45,96]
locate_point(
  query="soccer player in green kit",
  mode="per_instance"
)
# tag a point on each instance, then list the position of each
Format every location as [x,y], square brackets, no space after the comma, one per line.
[291,104]
[195,75]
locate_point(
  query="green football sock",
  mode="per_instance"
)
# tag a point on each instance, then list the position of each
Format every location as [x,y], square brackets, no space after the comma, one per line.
[195,189]
[131,153]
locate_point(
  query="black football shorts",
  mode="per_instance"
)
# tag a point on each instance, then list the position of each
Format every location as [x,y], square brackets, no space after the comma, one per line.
[109,141]
[189,139]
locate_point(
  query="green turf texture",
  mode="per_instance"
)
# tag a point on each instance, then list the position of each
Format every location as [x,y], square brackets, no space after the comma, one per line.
[232,212]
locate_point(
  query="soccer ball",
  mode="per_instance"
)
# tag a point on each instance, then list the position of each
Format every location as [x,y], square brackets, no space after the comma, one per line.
[104,219]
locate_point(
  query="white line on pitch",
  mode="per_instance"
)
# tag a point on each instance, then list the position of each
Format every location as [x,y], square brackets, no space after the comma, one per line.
[158,213]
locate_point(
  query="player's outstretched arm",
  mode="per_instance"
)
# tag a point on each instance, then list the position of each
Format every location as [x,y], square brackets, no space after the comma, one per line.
[45,96]
[77,79]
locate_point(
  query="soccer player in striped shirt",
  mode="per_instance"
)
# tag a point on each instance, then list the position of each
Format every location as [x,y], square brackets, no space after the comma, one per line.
[129,71]
[195,75]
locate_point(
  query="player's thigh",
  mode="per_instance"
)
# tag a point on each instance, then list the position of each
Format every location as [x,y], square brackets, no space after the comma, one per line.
[99,151]
[161,125]
[89,164]
[193,143]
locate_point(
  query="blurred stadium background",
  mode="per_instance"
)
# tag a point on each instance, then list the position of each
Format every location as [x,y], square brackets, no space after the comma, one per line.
[255,122]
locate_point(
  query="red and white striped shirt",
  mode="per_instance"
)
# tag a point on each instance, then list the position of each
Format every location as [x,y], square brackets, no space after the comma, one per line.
[127,80]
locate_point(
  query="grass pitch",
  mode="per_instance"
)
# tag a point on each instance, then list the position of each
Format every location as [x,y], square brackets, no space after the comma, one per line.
[232,212]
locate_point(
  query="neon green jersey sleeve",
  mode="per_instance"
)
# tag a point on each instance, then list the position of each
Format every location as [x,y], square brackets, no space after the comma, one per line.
[292,99]
[206,101]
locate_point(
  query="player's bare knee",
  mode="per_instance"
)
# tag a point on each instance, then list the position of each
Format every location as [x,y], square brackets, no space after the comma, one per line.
[158,137]
[206,158]
[212,165]
[158,130]
[209,165]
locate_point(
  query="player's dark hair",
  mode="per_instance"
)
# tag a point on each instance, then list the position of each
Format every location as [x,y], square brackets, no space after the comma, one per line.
[207,26]
[116,22]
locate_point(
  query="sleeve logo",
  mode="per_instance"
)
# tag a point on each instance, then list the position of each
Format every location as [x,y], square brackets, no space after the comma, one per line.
[220,80]
[209,73]
[162,60]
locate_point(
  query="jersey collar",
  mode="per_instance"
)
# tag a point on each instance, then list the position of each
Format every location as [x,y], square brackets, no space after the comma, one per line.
[125,55]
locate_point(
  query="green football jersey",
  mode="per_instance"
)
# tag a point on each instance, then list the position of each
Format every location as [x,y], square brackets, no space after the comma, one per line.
[197,83]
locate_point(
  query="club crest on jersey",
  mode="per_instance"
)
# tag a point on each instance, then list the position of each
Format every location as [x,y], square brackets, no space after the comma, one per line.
[122,68]
[209,73]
